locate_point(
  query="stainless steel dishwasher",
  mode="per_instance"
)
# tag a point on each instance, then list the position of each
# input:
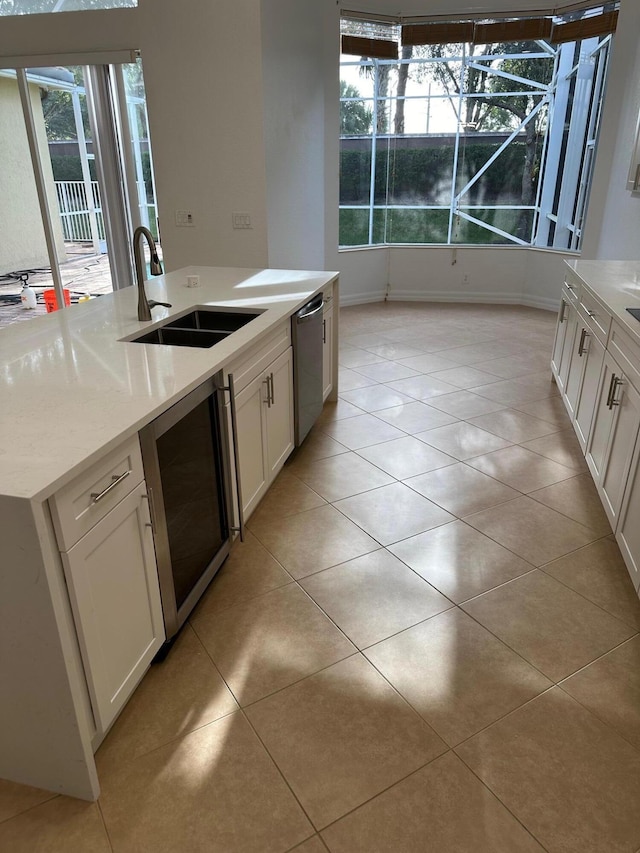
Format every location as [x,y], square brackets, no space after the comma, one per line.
[306,329]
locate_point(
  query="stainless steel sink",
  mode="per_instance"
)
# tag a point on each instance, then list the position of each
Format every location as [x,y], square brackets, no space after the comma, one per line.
[202,327]
[213,320]
[181,337]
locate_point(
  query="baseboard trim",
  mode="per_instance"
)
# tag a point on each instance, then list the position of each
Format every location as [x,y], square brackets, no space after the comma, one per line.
[486,298]
[361,298]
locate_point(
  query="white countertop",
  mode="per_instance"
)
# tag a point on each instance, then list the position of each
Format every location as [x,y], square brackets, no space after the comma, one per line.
[617,285]
[70,389]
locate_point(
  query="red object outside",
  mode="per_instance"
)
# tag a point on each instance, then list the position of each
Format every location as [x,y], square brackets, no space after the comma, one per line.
[52,303]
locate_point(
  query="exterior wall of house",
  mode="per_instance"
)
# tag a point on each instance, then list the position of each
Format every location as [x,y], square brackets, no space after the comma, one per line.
[22,242]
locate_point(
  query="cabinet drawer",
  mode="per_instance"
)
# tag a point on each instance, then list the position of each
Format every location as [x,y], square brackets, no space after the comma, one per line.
[256,360]
[599,319]
[627,353]
[328,296]
[87,499]
[572,288]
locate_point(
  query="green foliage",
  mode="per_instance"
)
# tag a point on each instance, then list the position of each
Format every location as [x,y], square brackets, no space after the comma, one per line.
[422,176]
[415,175]
[69,168]
[490,113]
[354,227]
[57,108]
[356,118]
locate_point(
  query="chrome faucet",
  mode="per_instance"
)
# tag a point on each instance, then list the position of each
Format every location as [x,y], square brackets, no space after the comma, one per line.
[144,305]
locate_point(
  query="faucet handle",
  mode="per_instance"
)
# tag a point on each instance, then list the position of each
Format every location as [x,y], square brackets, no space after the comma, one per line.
[153,303]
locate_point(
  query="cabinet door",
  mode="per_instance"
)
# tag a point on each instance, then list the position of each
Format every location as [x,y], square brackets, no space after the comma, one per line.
[577,364]
[561,334]
[279,415]
[628,532]
[622,440]
[571,323]
[602,421]
[253,470]
[613,436]
[586,399]
[567,347]
[327,352]
[113,586]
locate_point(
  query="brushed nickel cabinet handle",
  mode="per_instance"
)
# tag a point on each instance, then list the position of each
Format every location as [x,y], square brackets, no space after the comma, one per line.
[152,518]
[267,399]
[610,393]
[581,346]
[563,307]
[616,384]
[115,479]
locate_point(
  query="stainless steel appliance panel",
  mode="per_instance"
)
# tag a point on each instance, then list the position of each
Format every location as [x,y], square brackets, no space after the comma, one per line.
[184,469]
[307,366]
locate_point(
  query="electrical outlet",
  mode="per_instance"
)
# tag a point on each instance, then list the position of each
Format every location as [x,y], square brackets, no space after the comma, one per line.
[465,280]
[184,219]
[241,220]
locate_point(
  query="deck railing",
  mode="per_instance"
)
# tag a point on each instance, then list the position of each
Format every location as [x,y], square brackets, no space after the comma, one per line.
[75,211]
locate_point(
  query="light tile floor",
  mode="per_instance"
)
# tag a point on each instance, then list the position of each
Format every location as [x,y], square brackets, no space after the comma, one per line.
[428,641]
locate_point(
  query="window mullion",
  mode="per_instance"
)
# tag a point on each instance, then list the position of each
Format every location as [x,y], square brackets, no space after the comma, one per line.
[45,210]
[557,120]
[374,148]
[456,152]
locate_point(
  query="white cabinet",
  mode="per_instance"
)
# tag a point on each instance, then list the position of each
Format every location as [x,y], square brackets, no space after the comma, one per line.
[628,532]
[613,436]
[251,456]
[564,340]
[581,385]
[263,396]
[586,402]
[596,363]
[113,587]
[278,412]
[102,522]
[264,415]
[578,352]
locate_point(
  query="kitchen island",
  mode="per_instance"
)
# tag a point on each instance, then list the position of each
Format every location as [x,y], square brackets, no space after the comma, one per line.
[73,392]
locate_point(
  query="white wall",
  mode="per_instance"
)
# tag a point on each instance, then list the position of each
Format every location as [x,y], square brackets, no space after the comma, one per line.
[364,275]
[451,274]
[203,77]
[543,276]
[293,62]
[613,222]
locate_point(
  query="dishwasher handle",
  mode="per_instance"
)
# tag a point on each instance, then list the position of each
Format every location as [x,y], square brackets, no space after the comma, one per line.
[308,312]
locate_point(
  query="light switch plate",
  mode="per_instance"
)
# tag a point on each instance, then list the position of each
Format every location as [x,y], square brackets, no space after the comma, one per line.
[241,220]
[184,219]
